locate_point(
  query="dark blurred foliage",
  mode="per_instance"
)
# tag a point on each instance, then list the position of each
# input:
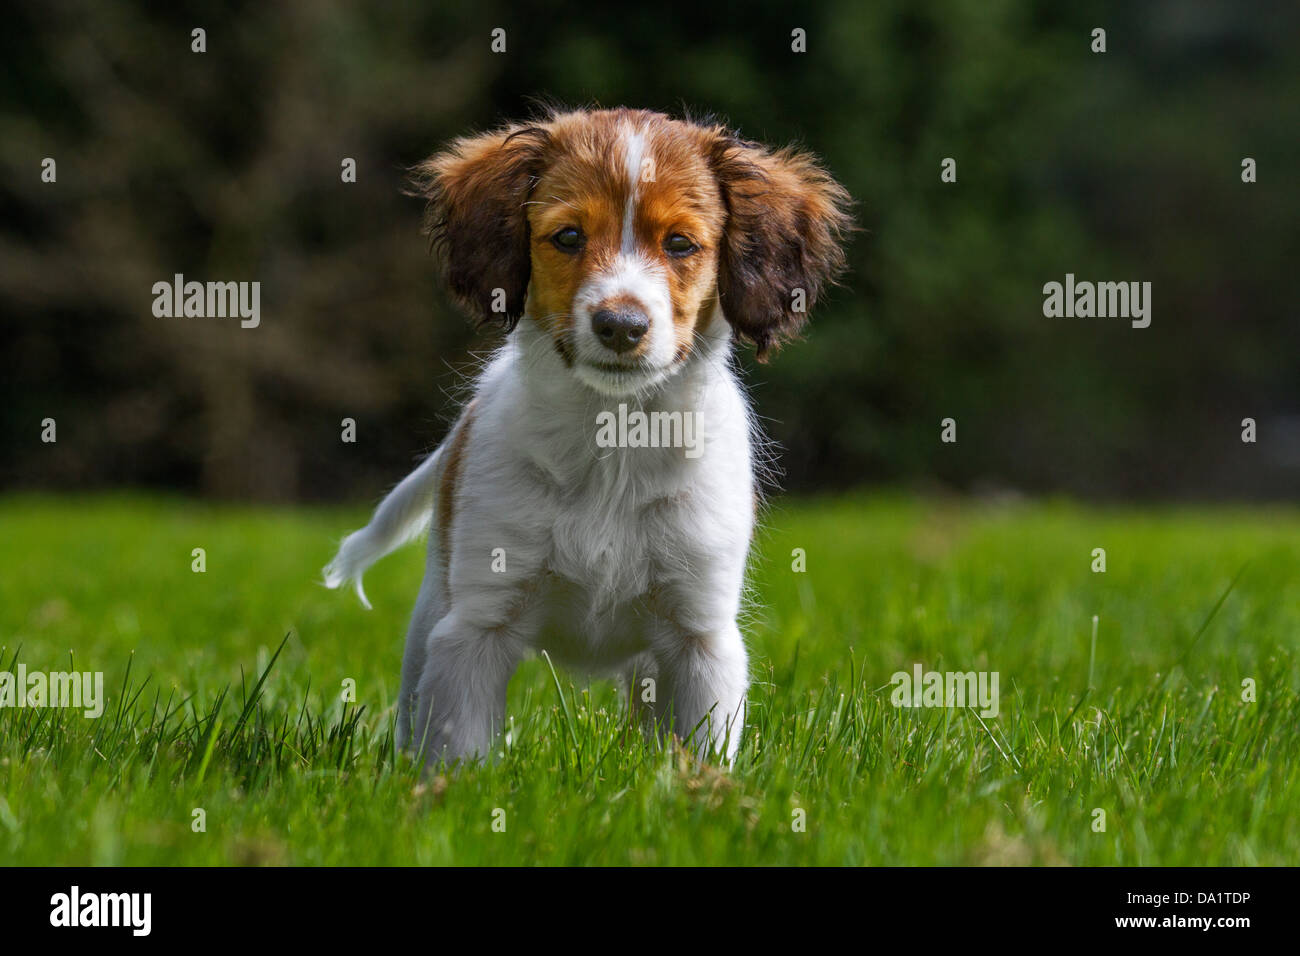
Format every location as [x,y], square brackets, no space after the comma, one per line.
[225,165]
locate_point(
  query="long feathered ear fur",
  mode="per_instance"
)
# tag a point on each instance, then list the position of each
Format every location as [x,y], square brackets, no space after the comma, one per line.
[787,219]
[476,218]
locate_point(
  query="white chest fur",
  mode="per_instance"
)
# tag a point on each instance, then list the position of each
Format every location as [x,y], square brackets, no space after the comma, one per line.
[615,518]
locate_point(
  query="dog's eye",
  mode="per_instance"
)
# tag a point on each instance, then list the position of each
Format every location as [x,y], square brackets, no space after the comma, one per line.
[568,239]
[679,245]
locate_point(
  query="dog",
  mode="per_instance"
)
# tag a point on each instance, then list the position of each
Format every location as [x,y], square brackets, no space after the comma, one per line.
[624,253]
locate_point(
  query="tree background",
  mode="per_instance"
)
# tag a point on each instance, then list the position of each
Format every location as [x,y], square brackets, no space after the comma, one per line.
[225,166]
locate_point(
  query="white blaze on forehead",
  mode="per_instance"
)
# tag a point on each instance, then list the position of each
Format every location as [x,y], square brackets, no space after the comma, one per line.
[630,275]
[634,145]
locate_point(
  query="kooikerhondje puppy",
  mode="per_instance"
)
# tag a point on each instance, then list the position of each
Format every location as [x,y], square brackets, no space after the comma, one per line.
[624,251]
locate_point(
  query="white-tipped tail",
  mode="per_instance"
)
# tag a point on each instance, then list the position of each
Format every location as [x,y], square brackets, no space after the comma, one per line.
[400,517]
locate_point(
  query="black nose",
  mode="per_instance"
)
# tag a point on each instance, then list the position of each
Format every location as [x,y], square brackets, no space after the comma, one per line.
[620,329]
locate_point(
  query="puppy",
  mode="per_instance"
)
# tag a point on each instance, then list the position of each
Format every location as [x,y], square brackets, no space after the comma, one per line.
[597,496]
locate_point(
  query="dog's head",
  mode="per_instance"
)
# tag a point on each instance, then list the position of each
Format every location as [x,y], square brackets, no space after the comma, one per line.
[618,232]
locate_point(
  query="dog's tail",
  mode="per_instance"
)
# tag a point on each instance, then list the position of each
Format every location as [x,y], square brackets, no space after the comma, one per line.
[401,517]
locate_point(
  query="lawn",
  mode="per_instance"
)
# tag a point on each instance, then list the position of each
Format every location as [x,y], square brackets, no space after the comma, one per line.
[1152,724]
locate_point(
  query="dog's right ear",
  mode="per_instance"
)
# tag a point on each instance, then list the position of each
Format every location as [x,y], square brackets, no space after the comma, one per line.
[476,217]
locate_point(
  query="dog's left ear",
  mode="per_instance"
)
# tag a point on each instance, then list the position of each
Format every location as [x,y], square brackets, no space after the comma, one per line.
[476,217]
[787,219]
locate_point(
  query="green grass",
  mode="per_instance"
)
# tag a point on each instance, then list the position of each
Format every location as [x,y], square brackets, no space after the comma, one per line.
[1185,770]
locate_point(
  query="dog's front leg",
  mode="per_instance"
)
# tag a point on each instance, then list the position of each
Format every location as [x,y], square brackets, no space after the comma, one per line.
[703,668]
[461,697]
[430,608]
[703,677]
